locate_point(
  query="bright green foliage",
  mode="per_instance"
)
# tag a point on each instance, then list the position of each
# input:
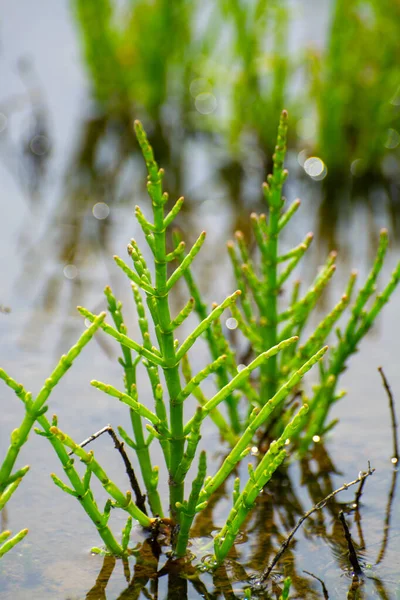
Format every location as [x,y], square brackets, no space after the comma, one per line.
[264,322]
[286,589]
[6,543]
[35,411]
[278,356]
[356,86]
[179,440]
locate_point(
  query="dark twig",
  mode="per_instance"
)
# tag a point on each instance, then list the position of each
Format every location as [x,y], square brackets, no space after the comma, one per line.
[352,552]
[321,504]
[140,498]
[395,457]
[324,590]
[359,492]
[357,514]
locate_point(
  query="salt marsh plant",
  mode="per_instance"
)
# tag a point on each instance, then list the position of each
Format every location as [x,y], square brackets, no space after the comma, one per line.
[165,422]
[276,353]
[265,317]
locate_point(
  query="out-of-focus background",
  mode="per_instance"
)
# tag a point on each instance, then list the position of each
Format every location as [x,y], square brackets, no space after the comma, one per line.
[208,79]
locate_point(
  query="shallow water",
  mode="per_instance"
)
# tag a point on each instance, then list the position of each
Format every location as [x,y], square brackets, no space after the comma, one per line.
[35,246]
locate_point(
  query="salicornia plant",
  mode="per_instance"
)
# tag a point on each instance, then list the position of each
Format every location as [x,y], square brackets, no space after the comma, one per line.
[275,352]
[165,421]
[265,318]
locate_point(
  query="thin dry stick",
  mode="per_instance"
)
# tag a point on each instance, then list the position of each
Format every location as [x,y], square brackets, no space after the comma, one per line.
[357,498]
[395,457]
[352,551]
[324,590]
[321,504]
[140,498]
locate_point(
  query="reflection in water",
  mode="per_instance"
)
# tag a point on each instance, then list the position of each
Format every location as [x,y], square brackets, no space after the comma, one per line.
[155,575]
[27,160]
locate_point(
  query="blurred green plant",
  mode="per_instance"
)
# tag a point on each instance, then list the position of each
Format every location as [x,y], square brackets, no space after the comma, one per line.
[129,67]
[226,68]
[257,87]
[265,317]
[356,86]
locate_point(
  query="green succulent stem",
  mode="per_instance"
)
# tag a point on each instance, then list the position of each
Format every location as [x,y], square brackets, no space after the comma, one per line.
[35,408]
[8,544]
[122,500]
[273,196]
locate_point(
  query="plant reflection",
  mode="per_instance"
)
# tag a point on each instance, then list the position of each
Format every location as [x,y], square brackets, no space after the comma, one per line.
[279,508]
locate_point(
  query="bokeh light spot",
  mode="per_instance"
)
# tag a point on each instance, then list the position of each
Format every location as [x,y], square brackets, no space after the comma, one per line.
[357,167]
[40,145]
[393,139]
[231,323]
[205,103]
[101,210]
[70,271]
[302,157]
[315,168]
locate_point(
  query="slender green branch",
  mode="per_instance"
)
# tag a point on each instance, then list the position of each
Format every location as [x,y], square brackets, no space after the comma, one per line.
[123,501]
[10,543]
[187,261]
[123,339]
[36,408]
[189,509]
[188,343]
[258,417]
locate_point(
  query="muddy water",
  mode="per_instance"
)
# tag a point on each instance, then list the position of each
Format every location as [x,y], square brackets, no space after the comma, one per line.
[40,236]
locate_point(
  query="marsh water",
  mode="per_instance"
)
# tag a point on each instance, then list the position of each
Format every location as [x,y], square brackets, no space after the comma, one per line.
[60,227]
